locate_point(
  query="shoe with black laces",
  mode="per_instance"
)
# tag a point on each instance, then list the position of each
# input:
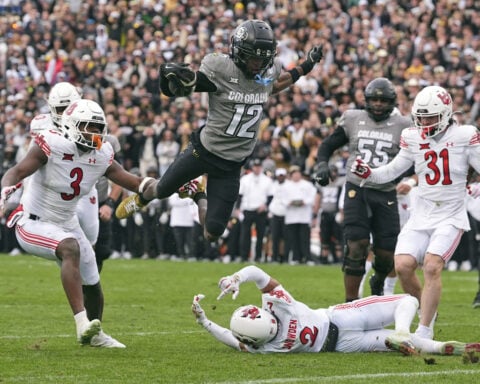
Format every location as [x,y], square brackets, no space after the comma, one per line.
[376,286]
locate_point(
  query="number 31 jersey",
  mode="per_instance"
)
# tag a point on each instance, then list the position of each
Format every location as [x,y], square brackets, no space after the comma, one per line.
[54,189]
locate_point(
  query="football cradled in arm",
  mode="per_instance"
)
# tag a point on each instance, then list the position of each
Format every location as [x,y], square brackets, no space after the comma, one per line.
[177,79]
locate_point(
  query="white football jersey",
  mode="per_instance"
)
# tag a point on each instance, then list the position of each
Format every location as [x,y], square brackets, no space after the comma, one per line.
[442,164]
[69,174]
[41,122]
[300,328]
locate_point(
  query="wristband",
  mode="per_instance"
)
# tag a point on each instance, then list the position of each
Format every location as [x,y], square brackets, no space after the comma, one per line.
[295,74]
[307,66]
[110,202]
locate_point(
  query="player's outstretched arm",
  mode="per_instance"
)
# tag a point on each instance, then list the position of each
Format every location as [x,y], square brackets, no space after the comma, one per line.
[223,335]
[231,284]
[288,78]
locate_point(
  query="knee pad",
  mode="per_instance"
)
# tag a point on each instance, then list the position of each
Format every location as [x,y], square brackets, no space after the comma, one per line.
[383,262]
[355,257]
[215,228]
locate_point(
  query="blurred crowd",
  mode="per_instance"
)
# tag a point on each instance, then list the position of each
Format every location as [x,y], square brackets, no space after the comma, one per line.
[112,50]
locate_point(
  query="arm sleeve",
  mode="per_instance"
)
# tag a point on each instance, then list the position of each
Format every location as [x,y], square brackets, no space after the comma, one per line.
[337,139]
[203,84]
[223,335]
[255,274]
[400,164]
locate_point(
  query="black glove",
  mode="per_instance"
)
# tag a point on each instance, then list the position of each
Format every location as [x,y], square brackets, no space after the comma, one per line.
[322,173]
[315,54]
[181,79]
[313,57]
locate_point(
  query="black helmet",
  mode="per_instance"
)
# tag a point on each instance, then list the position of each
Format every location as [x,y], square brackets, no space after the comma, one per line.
[253,39]
[380,88]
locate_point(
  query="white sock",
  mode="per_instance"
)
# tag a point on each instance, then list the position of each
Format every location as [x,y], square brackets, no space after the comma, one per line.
[80,320]
[424,331]
[389,285]
[368,267]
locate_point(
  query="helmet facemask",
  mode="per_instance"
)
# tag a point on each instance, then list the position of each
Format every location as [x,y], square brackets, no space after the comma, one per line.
[84,123]
[253,48]
[432,102]
[380,89]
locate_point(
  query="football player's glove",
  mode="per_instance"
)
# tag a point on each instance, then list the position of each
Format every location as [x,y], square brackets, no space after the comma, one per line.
[6,193]
[322,173]
[360,168]
[315,54]
[229,284]
[16,215]
[197,309]
[473,190]
[181,79]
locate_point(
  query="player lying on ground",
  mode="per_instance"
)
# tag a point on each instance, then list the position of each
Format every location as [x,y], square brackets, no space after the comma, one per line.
[283,324]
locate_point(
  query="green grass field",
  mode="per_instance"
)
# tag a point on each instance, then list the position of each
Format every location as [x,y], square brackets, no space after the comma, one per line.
[147,307]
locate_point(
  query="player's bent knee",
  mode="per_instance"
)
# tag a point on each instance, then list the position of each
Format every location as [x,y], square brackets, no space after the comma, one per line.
[214,229]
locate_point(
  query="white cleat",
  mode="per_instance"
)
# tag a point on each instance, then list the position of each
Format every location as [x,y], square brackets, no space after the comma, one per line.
[92,329]
[103,340]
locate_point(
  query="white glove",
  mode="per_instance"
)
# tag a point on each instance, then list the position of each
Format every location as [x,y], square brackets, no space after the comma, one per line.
[198,310]
[360,168]
[6,193]
[473,190]
[16,214]
[229,284]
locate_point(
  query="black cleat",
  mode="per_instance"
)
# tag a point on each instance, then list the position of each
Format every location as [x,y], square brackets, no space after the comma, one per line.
[476,301]
[376,286]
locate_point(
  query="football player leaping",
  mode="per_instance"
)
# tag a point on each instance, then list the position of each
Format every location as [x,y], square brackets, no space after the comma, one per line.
[238,85]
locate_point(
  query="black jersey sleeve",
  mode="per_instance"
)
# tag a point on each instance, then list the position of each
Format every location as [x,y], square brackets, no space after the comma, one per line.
[336,140]
[203,84]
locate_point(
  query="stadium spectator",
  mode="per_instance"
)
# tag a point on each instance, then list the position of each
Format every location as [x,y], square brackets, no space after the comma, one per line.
[283,324]
[254,197]
[299,198]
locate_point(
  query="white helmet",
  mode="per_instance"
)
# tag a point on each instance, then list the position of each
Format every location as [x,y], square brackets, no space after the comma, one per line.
[253,326]
[80,118]
[432,101]
[60,97]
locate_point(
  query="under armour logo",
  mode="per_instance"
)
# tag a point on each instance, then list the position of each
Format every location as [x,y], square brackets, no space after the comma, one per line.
[92,161]
[93,199]
[449,144]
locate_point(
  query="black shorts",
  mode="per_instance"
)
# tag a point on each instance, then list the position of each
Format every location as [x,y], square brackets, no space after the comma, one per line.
[222,186]
[371,212]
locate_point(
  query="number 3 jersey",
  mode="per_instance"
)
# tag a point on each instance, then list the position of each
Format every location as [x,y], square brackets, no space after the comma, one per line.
[235,109]
[441,163]
[300,328]
[54,189]
[376,142]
